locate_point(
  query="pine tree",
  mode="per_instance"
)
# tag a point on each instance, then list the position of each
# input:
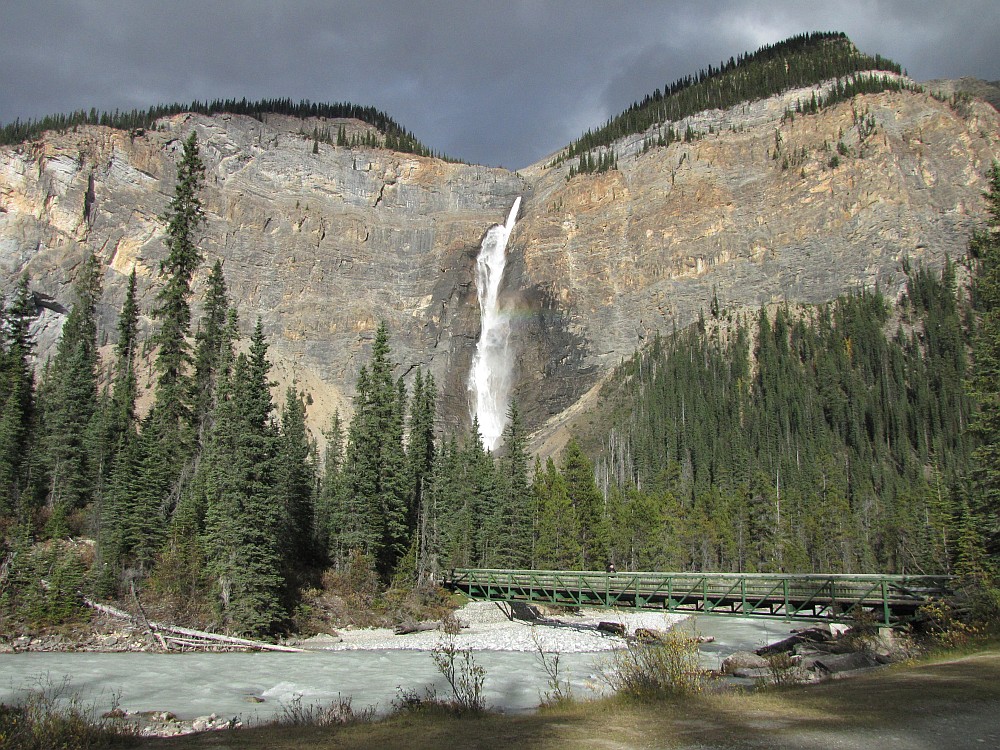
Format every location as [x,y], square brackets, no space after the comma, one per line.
[296,484]
[17,401]
[244,523]
[985,372]
[184,217]
[71,404]
[588,506]
[209,341]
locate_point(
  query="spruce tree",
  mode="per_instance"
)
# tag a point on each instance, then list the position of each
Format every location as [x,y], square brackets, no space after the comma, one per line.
[296,479]
[557,538]
[124,382]
[420,456]
[985,372]
[123,443]
[209,341]
[244,519]
[17,400]
[588,506]
[71,404]
[172,411]
[510,523]
[330,499]
[375,470]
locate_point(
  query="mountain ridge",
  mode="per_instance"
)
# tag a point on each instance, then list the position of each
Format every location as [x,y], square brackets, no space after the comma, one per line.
[322,241]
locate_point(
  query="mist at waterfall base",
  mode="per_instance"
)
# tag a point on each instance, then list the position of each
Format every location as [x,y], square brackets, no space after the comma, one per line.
[231,684]
[492,369]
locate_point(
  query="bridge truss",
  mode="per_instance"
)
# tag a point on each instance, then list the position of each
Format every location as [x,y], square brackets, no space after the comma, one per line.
[887,599]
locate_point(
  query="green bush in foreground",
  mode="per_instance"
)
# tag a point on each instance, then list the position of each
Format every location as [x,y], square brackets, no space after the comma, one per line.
[50,717]
[665,667]
[464,676]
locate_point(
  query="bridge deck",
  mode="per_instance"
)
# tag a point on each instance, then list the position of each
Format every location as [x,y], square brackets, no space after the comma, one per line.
[890,599]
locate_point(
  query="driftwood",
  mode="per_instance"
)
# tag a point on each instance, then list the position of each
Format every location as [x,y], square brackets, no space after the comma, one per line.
[225,639]
[416,627]
[149,627]
[161,631]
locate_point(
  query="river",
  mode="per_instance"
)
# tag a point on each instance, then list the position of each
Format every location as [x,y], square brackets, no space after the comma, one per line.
[229,684]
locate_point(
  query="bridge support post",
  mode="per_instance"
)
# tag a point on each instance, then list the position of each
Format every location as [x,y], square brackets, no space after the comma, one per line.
[885,603]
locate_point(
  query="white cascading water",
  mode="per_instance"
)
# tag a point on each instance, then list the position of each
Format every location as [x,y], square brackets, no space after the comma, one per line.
[490,377]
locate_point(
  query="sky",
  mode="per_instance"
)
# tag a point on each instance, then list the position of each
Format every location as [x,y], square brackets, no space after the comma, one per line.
[496,82]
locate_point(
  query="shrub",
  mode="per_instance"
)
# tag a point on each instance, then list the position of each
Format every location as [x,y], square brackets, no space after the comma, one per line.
[50,716]
[43,585]
[782,669]
[464,676]
[560,691]
[336,713]
[409,701]
[669,666]
[941,622]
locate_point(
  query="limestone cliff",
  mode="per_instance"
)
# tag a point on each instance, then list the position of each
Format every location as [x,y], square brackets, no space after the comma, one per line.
[761,208]
[758,208]
[320,246]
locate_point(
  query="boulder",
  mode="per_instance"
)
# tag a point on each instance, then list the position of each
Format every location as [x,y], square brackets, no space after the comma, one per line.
[742,660]
[753,674]
[839,663]
[614,628]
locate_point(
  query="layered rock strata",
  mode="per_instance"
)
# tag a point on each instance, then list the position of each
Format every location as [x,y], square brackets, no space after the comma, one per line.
[758,208]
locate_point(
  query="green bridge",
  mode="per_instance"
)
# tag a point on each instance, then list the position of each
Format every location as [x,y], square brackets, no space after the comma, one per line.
[887,599]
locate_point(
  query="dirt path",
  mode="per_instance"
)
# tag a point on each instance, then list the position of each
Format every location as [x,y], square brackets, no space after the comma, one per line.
[950,704]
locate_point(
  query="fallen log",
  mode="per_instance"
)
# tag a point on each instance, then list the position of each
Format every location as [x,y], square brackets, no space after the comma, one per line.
[150,628]
[118,613]
[228,639]
[158,630]
[416,627]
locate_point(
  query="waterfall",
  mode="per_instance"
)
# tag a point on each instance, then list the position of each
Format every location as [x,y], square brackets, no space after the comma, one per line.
[490,376]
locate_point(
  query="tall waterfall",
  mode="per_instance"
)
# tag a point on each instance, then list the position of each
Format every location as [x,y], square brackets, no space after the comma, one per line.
[490,377]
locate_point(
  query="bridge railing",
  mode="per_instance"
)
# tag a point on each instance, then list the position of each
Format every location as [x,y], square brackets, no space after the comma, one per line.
[888,598]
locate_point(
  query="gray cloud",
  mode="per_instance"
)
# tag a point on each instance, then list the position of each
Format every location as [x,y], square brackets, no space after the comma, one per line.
[495,82]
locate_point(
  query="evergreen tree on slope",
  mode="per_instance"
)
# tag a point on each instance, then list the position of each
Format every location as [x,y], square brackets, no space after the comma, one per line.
[71,404]
[171,417]
[17,399]
[243,526]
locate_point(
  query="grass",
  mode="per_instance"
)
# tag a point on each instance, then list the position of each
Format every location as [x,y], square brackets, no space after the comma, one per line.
[936,703]
[51,716]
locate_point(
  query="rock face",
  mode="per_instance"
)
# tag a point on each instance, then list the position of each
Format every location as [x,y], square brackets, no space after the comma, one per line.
[320,246]
[758,209]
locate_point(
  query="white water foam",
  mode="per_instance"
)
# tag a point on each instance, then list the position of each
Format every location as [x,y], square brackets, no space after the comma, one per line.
[492,369]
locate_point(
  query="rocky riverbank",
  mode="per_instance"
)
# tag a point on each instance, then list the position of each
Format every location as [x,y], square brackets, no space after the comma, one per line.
[481,626]
[487,626]
[101,634]
[250,689]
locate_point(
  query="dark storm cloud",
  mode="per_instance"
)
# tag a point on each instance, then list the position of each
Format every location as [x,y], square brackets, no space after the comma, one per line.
[495,82]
